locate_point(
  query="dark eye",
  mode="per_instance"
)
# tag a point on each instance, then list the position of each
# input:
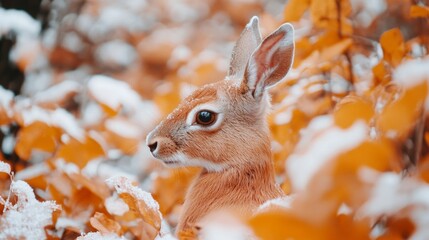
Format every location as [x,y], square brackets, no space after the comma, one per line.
[205,117]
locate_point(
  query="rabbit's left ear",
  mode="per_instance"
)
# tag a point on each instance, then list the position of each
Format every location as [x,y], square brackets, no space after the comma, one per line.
[270,62]
[249,40]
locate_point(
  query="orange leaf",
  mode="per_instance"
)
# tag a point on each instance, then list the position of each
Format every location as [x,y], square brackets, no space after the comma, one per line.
[392,43]
[335,50]
[399,116]
[170,187]
[37,135]
[417,11]
[139,202]
[294,10]
[104,224]
[123,134]
[80,153]
[353,108]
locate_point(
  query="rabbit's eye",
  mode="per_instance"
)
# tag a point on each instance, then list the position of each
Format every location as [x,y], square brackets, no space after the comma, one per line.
[205,117]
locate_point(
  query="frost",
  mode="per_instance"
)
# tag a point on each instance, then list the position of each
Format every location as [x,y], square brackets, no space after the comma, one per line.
[32,172]
[123,185]
[412,73]
[123,128]
[115,54]
[60,118]
[225,226]
[116,206]
[283,117]
[312,154]
[4,167]
[6,98]
[8,144]
[18,21]
[284,202]
[391,194]
[367,10]
[113,93]
[57,92]
[99,236]
[28,217]
[66,121]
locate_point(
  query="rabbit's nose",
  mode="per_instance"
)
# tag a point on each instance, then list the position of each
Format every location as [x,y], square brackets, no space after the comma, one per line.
[153,146]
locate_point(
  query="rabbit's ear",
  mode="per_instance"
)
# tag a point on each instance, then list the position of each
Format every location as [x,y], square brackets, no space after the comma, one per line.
[249,40]
[271,61]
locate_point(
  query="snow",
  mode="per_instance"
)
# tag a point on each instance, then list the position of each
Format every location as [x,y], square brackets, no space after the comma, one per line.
[63,223]
[28,217]
[92,114]
[68,123]
[8,144]
[116,206]
[223,225]
[72,42]
[67,167]
[113,93]
[180,53]
[115,54]
[4,167]
[412,73]
[124,185]
[59,117]
[18,21]
[316,148]
[283,117]
[32,171]
[367,10]
[6,98]
[123,128]
[392,193]
[284,202]
[99,236]
[57,92]
[186,89]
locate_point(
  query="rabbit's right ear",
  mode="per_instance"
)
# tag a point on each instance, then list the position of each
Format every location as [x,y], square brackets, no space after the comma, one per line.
[270,62]
[249,40]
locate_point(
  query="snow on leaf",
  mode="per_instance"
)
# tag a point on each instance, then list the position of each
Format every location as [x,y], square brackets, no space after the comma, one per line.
[113,93]
[138,200]
[116,206]
[18,21]
[28,217]
[4,167]
[412,73]
[311,156]
[224,225]
[392,193]
[99,236]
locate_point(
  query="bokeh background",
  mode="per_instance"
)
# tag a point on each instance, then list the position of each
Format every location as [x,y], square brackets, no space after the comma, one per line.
[84,81]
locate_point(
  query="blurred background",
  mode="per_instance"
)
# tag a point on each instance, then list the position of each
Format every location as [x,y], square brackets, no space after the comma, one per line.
[84,81]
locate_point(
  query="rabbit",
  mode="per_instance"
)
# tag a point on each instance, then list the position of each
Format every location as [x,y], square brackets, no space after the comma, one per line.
[222,128]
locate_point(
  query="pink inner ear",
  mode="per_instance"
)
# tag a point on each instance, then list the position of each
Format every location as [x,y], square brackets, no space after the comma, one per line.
[271,61]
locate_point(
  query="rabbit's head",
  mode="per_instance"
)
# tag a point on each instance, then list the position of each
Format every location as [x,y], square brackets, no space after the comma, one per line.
[223,124]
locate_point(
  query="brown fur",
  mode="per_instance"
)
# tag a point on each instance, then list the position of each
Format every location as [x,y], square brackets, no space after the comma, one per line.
[235,152]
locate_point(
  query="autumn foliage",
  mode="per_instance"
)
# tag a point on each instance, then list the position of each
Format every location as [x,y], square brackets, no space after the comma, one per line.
[350,134]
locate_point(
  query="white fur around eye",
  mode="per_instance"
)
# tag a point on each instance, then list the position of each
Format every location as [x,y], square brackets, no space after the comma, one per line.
[212,107]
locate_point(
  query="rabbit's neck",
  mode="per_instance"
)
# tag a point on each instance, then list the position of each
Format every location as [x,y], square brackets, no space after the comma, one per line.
[242,188]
